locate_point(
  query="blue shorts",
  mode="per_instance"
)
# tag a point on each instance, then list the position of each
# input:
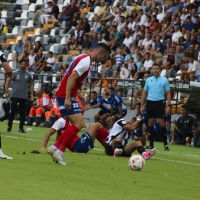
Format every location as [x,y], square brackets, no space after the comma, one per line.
[84,144]
[75,109]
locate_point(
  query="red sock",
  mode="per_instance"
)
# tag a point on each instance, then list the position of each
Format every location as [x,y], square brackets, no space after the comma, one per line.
[102,135]
[103,132]
[62,136]
[69,135]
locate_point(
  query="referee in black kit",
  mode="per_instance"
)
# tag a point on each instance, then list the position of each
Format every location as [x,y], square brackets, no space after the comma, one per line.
[21,79]
[154,91]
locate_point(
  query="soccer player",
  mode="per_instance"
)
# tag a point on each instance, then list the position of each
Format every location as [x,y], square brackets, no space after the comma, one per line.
[122,133]
[118,109]
[154,91]
[81,144]
[66,97]
[103,104]
[5,64]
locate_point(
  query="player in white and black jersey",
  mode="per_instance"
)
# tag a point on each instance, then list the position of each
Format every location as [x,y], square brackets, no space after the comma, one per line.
[4,63]
[122,133]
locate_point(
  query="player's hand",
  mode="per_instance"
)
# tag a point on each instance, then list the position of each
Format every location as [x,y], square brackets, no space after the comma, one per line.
[32,98]
[139,116]
[7,95]
[144,127]
[83,101]
[168,110]
[67,104]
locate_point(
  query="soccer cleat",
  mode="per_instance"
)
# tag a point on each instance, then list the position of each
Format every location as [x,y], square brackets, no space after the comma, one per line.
[51,151]
[21,130]
[9,129]
[149,147]
[117,152]
[59,158]
[149,154]
[166,148]
[3,156]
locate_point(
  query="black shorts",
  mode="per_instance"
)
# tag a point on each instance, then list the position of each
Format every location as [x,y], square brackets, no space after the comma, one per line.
[155,109]
[102,112]
[109,151]
[117,115]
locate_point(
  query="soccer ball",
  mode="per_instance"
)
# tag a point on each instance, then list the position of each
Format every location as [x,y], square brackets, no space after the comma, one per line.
[136,162]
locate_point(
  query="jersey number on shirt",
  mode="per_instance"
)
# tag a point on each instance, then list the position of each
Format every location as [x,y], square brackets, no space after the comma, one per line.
[75,105]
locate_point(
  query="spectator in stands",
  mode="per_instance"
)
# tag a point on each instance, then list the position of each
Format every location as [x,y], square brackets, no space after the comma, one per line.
[137,32]
[37,46]
[128,41]
[158,27]
[178,57]
[161,14]
[42,105]
[158,50]
[46,11]
[39,60]
[100,39]
[2,23]
[102,83]
[188,24]
[26,51]
[50,16]
[126,55]
[169,63]
[95,80]
[76,38]
[119,59]
[135,7]
[176,35]
[69,12]
[193,71]
[49,64]
[19,50]
[69,29]
[121,25]
[107,15]
[31,59]
[101,9]
[112,42]
[146,44]
[86,26]
[108,65]
[118,36]
[146,67]
[105,33]
[86,44]
[116,20]
[188,41]
[196,26]
[94,41]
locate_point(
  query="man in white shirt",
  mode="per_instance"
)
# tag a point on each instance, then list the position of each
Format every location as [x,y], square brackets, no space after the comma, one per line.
[176,34]
[128,41]
[131,24]
[143,18]
[122,24]
[137,32]
[100,39]
[50,63]
[160,14]
[193,71]
[146,44]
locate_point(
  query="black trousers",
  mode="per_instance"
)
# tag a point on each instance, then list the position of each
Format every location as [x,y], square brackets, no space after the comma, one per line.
[13,108]
[6,108]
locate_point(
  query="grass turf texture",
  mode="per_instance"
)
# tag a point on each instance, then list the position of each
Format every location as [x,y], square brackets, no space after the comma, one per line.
[93,175]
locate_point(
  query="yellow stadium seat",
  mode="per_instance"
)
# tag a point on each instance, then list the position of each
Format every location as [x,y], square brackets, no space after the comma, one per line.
[73,52]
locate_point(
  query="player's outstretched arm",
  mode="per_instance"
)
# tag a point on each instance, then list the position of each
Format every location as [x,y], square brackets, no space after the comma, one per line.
[133,126]
[143,98]
[50,132]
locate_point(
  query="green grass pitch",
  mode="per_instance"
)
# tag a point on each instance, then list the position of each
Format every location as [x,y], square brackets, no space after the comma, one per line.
[94,176]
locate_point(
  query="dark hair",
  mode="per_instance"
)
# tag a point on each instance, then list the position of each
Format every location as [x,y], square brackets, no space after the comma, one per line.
[94,92]
[184,106]
[23,60]
[138,104]
[157,65]
[111,88]
[103,46]
[50,52]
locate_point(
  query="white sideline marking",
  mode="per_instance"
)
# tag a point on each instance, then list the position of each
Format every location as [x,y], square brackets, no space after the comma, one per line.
[187,163]
[176,161]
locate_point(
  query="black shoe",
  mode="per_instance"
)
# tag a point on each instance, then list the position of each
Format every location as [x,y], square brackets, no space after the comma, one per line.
[21,130]
[166,148]
[9,129]
[149,147]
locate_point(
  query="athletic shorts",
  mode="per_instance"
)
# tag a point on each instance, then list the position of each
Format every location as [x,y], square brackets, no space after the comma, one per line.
[102,112]
[83,144]
[109,151]
[155,109]
[75,109]
[117,115]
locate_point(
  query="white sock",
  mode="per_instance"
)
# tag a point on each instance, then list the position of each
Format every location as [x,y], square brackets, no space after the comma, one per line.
[54,147]
[1,151]
[60,151]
